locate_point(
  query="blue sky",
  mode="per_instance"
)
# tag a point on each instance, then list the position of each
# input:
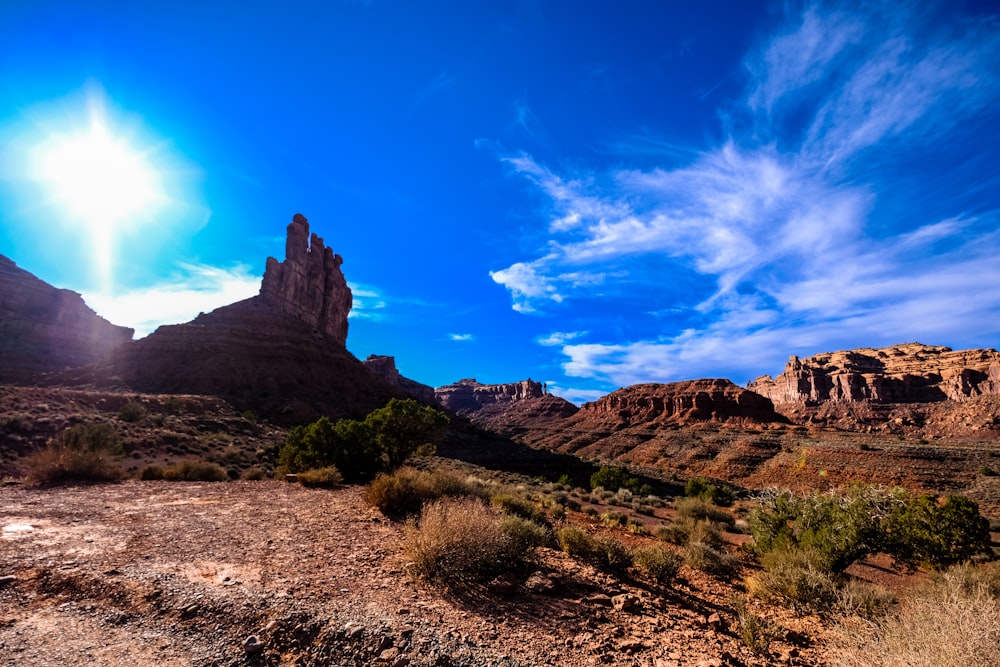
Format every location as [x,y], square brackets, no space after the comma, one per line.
[592,194]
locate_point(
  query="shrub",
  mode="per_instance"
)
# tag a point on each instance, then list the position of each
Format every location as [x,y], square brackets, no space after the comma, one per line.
[386,438]
[610,554]
[987,471]
[195,471]
[525,534]
[613,519]
[635,527]
[797,577]
[461,541]
[406,490]
[756,633]
[949,623]
[253,474]
[612,479]
[699,509]
[715,562]
[575,542]
[151,472]
[937,535]
[320,477]
[518,506]
[657,563]
[704,488]
[81,453]
[865,600]
[132,411]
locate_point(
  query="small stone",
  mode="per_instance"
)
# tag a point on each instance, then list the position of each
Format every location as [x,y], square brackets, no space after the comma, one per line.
[7,579]
[253,644]
[625,602]
[599,599]
[714,621]
[271,625]
[505,584]
[539,583]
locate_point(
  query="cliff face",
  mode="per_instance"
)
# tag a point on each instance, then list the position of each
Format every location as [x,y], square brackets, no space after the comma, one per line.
[467,396]
[309,284]
[680,402]
[45,329]
[384,368]
[908,373]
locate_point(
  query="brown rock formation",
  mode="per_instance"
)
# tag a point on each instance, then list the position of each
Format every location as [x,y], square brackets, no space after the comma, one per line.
[309,284]
[908,373]
[384,368]
[681,402]
[467,396]
[44,329]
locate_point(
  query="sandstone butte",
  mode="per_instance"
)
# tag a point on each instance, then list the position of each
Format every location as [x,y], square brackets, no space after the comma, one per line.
[281,353]
[907,373]
[45,329]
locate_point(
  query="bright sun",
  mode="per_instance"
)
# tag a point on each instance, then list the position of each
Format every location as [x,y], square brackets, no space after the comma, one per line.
[99,179]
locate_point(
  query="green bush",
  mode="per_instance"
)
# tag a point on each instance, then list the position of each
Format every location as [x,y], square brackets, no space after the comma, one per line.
[195,471]
[610,554]
[844,527]
[657,563]
[525,534]
[700,509]
[704,488]
[359,449]
[575,542]
[81,453]
[133,411]
[613,478]
[518,506]
[613,519]
[320,477]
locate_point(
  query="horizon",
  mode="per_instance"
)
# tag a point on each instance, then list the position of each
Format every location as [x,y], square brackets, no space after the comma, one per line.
[588,195]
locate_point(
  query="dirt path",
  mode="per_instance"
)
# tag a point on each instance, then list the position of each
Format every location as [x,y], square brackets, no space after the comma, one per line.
[156,573]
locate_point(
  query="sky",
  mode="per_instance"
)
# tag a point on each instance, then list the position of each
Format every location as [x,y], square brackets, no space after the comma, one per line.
[590,194]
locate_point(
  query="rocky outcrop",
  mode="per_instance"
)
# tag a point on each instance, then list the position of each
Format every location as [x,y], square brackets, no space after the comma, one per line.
[384,368]
[681,402]
[45,329]
[281,353]
[309,284]
[467,396]
[908,373]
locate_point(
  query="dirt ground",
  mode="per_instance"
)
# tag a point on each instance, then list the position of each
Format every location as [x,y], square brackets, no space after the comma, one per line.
[160,573]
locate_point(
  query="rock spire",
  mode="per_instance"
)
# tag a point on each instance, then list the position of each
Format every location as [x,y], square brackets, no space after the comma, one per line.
[309,284]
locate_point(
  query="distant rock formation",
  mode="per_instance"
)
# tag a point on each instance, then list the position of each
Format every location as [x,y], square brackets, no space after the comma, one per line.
[681,403]
[45,329]
[384,368]
[467,396]
[908,373]
[309,284]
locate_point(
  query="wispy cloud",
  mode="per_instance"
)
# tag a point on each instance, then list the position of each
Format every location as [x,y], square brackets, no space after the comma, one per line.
[777,230]
[461,337]
[192,289]
[368,304]
[560,337]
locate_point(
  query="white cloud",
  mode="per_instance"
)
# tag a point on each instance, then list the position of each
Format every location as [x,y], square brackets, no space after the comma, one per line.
[368,303]
[193,289]
[461,337]
[775,226]
[560,337]
[574,395]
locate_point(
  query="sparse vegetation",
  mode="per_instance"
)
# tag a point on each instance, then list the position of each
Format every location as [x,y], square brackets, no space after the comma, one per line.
[132,411]
[81,453]
[800,578]
[359,449]
[756,633]
[464,541]
[714,561]
[657,563]
[195,471]
[706,489]
[405,491]
[325,477]
[612,478]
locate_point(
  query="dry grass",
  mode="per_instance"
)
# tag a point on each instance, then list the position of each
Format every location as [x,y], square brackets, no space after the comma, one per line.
[406,490]
[81,453]
[797,577]
[954,622]
[659,564]
[462,541]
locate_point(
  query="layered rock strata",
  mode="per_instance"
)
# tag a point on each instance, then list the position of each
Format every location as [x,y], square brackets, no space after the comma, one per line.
[908,373]
[309,284]
[467,396]
[45,329]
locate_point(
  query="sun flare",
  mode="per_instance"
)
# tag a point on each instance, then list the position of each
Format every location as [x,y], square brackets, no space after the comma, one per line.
[100,180]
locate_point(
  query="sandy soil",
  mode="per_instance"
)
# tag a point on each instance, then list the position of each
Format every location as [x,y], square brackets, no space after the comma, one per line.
[158,573]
